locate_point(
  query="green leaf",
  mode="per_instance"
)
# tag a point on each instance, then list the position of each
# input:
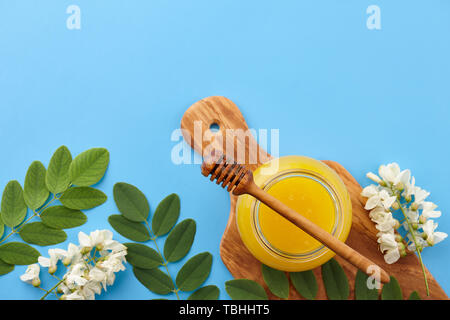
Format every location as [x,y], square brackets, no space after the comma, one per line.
[276,281]
[82,198]
[38,233]
[132,230]
[60,217]
[244,289]
[179,241]
[205,293]
[305,283]
[414,296]
[142,256]
[89,167]
[2,226]
[362,292]
[154,280]
[335,281]
[391,290]
[57,178]
[5,268]
[35,191]
[131,202]
[13,205]
[166,214]
[18,253]
[194,272]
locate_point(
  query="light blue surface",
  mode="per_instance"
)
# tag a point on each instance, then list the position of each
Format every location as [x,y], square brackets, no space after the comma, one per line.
[312,69]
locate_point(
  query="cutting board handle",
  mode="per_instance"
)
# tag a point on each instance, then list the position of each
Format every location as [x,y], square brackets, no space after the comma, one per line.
[233,137]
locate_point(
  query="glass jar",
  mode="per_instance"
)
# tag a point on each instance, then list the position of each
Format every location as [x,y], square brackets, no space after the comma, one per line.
[311,188]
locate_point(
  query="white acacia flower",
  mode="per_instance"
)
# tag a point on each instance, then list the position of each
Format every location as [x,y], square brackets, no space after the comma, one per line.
[88,271]
[428,210]
[389,247]
[114,246]
[31,275]
[72,255]
[389,172]
[382,199]
[420,195]
[73,296]
[372,176]
[50,263]
[84,240]
[402,179]
[97,275]
[97,239]
[432,237]
[420,241]
[370,191]
[394,185]
[75,276]
[410,188]
[384,220]
[90,290]
[413,216]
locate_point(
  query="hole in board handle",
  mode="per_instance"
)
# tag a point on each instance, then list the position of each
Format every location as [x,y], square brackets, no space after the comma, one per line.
[214,127]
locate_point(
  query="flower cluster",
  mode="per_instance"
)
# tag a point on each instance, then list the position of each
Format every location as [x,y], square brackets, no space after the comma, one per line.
[396,190]
[90,267]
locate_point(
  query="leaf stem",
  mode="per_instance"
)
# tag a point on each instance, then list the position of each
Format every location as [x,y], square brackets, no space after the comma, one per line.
[153,238]
[51,290]
[36,213]
[415,244]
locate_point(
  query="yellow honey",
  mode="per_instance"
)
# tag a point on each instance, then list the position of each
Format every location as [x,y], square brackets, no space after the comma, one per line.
[313,190]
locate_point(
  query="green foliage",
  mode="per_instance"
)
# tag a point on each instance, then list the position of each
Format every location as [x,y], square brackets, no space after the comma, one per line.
[166,215]
[131,202]
[210,292]
[179,241]
[2,227]
[40,183]
[154,280]
[305,283]
[60,217]
[35,190]
[391,290]
[276,281]
[148,263]
[57,178]
[5,267]
[194,272]
[82,198]
[245,289]
[142,256]
[129,229]
[14,209]
[18,253]
[38,233]
[414,296]
[335,281]
[362,291]
[89,167]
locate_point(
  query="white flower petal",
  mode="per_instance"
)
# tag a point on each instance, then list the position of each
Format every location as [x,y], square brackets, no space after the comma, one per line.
[44,262]
[392,256]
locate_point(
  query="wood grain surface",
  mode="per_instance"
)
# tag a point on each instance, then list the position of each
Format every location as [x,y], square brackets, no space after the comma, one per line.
[240,262]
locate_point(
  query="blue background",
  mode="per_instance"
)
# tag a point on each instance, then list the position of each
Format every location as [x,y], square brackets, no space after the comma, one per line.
[312,69]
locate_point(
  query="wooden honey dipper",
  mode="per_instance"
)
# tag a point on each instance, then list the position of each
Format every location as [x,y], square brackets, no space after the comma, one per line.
[239,180]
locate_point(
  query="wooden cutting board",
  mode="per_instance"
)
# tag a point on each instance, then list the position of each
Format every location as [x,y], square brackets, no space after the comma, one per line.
[223,112]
